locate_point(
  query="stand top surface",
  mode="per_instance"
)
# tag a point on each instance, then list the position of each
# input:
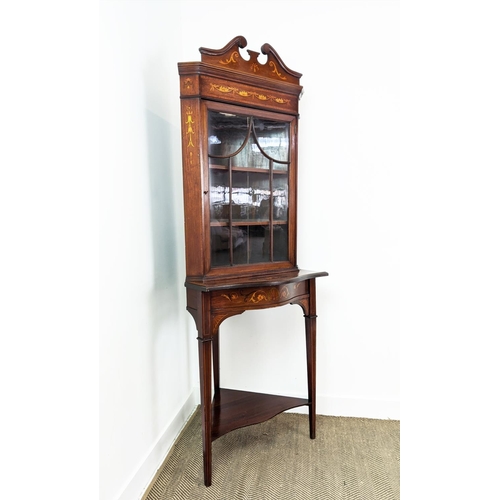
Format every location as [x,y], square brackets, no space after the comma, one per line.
[253,281]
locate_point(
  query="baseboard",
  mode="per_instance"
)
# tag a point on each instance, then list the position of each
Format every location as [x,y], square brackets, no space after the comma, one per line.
[344,407]
[355,407]
[139,484]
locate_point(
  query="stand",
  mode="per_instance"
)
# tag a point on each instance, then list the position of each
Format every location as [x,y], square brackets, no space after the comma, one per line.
[210,305]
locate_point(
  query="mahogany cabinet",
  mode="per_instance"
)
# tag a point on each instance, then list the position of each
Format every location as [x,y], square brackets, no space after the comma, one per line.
[239,127]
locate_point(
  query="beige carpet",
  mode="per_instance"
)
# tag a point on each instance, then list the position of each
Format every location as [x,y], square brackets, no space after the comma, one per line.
[350,459]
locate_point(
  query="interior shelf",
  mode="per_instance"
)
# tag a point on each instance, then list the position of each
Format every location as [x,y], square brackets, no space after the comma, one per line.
[233,409]
[249,169]
[246,222]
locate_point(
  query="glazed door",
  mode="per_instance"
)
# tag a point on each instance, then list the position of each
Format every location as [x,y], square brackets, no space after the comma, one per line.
[250,162]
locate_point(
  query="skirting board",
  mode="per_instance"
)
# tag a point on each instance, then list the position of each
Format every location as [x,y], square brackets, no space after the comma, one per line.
[146,473]
[340,407]
[354,407]
[343,407]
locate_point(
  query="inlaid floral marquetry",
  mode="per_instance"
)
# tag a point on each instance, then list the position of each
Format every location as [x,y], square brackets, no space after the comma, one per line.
[248,297]
[232,59]
[189,127]
[223,89]
[272,64]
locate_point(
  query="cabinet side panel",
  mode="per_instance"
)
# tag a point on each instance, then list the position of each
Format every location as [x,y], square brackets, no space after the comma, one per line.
[192,181]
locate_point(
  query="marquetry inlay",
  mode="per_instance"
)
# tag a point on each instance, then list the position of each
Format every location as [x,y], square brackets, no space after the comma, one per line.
[190,128]
[268,295]
[247,93]
[275,70]
[232,59]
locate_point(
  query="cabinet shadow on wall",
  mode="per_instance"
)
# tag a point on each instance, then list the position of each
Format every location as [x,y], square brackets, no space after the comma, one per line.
[160,136]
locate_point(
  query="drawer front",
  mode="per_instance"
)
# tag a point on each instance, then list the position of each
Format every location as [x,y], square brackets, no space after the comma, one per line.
[250,298]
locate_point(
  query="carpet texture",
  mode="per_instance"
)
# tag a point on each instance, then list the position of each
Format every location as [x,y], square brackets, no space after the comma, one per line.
[350,459]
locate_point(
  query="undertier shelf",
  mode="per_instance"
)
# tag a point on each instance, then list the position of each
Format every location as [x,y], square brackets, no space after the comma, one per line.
[233,409]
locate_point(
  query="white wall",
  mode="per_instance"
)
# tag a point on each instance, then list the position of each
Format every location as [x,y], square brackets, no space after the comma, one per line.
[348,199]
[348,220]
[144,353]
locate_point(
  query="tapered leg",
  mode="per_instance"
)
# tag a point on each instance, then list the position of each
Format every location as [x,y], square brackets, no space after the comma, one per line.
[310,320]
[205,358]
[215,352]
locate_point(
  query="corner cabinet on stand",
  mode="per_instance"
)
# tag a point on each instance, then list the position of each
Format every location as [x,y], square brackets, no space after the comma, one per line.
[239,151]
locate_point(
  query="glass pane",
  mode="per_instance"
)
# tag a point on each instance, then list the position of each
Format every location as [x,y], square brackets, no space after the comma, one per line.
[226,133]
[250,196]
[261,192]
[258,251]
[242,196]
[255,157]
[280,197]
[219,195]
[250,157]
[220,246]
[240,244]
[273,138]
[280,242]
